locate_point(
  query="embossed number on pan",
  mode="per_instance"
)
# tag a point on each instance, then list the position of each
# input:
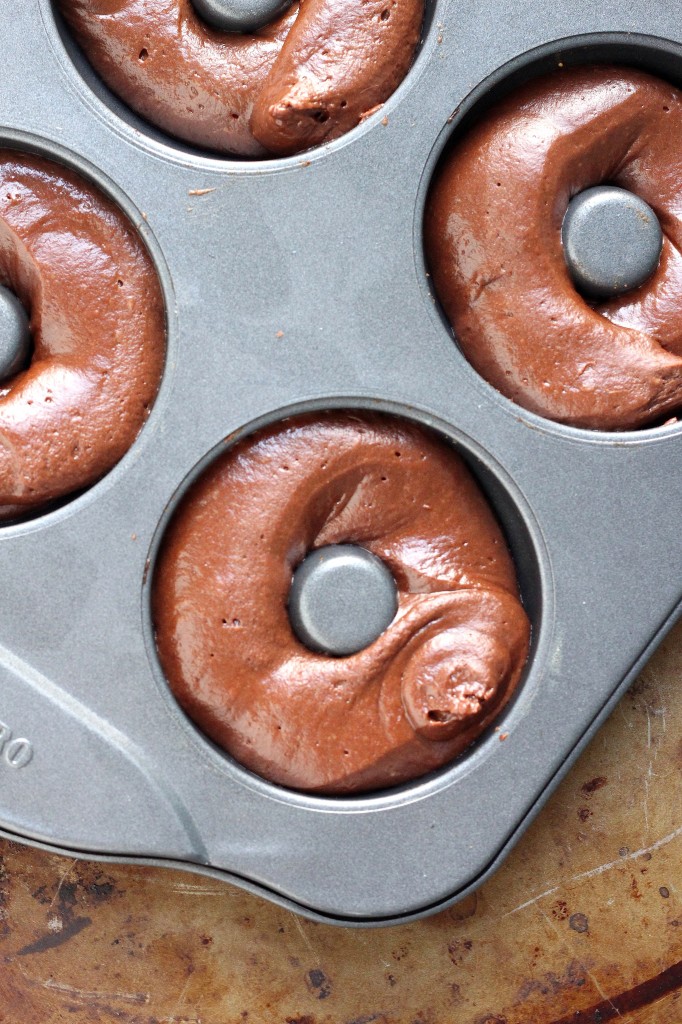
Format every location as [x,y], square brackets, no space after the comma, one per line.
[14,753]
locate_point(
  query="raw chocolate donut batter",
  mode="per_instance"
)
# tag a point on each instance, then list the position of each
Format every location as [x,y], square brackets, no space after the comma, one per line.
[98,331]
[493,242]
[406,704]
[310,76]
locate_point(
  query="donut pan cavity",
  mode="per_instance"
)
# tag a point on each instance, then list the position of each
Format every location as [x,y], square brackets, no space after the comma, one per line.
[292,285]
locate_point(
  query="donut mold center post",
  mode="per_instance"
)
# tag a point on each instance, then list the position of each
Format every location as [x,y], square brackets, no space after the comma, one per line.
[15,335]
[612,241]
[342,599]
[239,15]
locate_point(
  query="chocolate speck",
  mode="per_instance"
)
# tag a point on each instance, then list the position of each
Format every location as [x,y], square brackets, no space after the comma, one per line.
[664,891]
[560,910]
[593,785]
[578,922]
[459,949]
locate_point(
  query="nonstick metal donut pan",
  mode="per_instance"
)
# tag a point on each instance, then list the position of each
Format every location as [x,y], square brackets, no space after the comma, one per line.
[299,284]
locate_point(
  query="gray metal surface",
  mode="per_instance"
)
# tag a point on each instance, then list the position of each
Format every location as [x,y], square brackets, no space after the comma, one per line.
[15,335]
[342,599]
[612,241]
[292,285]
[239,15]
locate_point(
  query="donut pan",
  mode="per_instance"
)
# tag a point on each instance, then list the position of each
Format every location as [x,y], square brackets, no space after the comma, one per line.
[290,285]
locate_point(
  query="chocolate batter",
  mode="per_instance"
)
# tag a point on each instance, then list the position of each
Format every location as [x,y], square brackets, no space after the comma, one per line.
[493,242]
[412,700]
[97,320]
[310,76]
